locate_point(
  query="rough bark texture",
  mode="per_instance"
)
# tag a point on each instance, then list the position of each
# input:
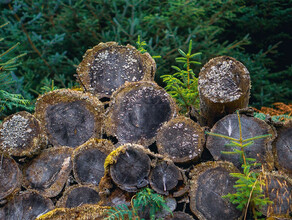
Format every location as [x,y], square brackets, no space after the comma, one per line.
[10,176]
[179,216]
[70,117]
[88,160]
[21,135]
[261,150]
[48,172]
[108,66]
[181,139]
[224,86]
[137,111]
[210,181]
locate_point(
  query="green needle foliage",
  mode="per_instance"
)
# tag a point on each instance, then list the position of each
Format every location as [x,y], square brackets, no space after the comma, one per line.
[183,85]
[249,192]
[146,198]
[141,46]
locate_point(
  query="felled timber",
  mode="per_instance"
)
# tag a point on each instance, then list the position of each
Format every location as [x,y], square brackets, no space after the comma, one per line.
[21,135]
[181,139]
[209,182]
[26,205]
[224,86]
[137,111]
[88,161]
[108,66]
[49,171]
[69,117]
[10,176]
[261,149]
[179,215]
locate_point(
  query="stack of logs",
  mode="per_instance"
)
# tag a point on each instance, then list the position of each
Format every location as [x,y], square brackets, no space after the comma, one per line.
[82,151]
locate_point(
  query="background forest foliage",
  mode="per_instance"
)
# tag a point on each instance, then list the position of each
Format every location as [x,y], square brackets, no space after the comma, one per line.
[55,35]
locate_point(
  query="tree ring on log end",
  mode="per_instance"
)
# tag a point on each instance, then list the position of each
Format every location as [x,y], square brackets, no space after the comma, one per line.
[69,117]
[137,111]
[10,176]
[49,171]
[79,195]
[181,139]
[210,181]
[21,135]
[131,168]
[88,160]
[108,66]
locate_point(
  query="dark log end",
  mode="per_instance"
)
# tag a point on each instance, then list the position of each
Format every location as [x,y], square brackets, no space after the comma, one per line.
[179,216]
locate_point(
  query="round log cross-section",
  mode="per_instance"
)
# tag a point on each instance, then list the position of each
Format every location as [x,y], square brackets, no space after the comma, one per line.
[21,135]
[108,66]
[210,181]
[224,86]
[69,117]
[137,111]
[181,139]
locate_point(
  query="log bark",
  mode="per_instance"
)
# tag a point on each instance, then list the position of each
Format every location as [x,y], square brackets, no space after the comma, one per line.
[21,135]
[224,86]
[179,216]
[70,117]
[181,139]
[261,150]
[137,111]
[48,172]
[10,176]
[78,195]
[26,206]
[210,181]
[88,161]
[108,66]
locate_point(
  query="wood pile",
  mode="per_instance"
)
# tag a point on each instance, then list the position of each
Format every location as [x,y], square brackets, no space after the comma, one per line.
[80,152]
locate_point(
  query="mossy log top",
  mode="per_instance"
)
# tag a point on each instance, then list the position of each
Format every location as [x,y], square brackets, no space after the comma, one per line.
[181,139]
[21,135]
[224,86]
[137,111]
[49,171]
[210,181]
[108,66]
[70,117]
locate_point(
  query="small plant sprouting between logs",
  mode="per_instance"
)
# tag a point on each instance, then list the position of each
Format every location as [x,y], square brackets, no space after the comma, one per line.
[183,85]
[146,198]
[249,192]
[141,48]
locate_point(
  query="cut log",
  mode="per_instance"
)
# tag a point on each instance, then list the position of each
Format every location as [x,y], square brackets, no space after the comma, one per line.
[48,172]
[224,86]
[261,150]
[181,139]
[278,188]
[79,195]
[108,66]
[164,177]
[69,117]
[131,168]
[21,135]
[179,216]
[283,148]
[10,176]
[88,160]
[26,206]
[137,111]
[210,181]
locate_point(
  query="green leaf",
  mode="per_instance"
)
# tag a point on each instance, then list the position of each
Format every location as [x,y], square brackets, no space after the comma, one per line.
[182,53]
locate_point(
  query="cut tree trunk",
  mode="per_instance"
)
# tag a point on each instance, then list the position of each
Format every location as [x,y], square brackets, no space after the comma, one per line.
[108,66]
[10,176]
[179,216]
[261,150]
[48,172]
[21,135]
[70,117]
[210,181]
[78,195]
[181,139]
[137,111]
[88,160]
[224,86]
